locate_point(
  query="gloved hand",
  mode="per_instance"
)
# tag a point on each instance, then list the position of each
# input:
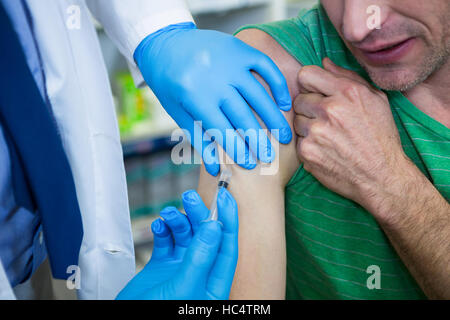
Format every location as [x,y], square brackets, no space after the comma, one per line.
[202,75]
[192,259]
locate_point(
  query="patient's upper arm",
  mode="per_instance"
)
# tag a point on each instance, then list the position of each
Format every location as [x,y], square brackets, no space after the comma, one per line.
[288,65]
[260,197]
[286,162]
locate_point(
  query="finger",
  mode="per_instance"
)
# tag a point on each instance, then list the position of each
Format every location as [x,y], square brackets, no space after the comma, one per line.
[162,240]
[193,130]
[329,65]
[199,257]
[269,71]
[302,125]
[257,96]
[222,273]
[179,225]
[228,138]
[314,79]
[308,105]
[239,113]
[195,208]
[228,211]
[299,146]
[302,153]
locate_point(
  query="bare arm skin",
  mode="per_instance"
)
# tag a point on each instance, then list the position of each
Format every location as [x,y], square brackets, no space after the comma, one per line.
[261,270]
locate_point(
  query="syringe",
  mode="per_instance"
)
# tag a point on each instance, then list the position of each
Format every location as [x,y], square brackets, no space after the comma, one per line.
[224,181]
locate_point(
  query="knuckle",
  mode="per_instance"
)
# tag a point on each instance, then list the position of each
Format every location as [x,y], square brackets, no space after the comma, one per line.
[306,71]
[331,108]
[316,129]
[301,148]
[306,150]
[298,103]
[335,114]
[325,104]
[351,90]
[301,74]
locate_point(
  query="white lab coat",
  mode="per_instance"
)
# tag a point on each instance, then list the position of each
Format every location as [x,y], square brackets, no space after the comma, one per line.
[79,91]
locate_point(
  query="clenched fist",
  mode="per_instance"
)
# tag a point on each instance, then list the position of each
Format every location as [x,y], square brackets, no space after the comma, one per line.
[347,137]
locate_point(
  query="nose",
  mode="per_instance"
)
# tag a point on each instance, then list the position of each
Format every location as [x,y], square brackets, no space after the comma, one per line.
[360,19]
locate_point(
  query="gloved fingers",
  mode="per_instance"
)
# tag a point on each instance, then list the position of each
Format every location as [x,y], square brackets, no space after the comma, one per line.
[260,100]
[195,208]
[199,258]
[218,126]
[222,273]
[269,71]
[162,240]
[228,212]
[179,225]
[241,116]
[202,146]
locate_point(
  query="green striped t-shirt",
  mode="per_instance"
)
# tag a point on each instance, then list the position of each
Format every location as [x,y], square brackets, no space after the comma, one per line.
[335,248]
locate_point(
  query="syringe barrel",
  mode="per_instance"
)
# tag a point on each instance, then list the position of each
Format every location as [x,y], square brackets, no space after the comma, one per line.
[224,182]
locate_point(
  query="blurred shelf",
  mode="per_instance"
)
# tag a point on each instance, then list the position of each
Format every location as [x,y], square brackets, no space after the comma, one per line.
[204,7]
[296,6]
[142,234]
[201,7]
[143,146]
[150,136]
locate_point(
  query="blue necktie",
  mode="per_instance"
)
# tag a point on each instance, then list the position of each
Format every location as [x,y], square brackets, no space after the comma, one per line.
[42,177]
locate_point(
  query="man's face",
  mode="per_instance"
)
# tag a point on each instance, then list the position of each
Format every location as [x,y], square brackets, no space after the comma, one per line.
[411,43]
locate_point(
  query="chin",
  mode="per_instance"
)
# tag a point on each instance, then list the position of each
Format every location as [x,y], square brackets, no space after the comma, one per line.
[395,79]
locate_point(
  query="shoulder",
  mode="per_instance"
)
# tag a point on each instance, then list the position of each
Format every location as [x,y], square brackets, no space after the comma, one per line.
[288,65]
[278,173]
[287,160]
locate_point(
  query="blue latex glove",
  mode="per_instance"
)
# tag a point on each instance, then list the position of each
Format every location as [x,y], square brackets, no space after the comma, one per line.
[191,260]
[202,75]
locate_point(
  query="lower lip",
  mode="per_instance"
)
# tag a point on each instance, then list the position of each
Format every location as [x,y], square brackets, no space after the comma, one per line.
[391,55]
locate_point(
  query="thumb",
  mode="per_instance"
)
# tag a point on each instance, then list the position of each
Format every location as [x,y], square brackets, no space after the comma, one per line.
[330,66]
[199,259]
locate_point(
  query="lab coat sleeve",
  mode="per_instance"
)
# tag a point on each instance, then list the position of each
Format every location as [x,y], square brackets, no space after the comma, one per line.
[128,22]
[6,292]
